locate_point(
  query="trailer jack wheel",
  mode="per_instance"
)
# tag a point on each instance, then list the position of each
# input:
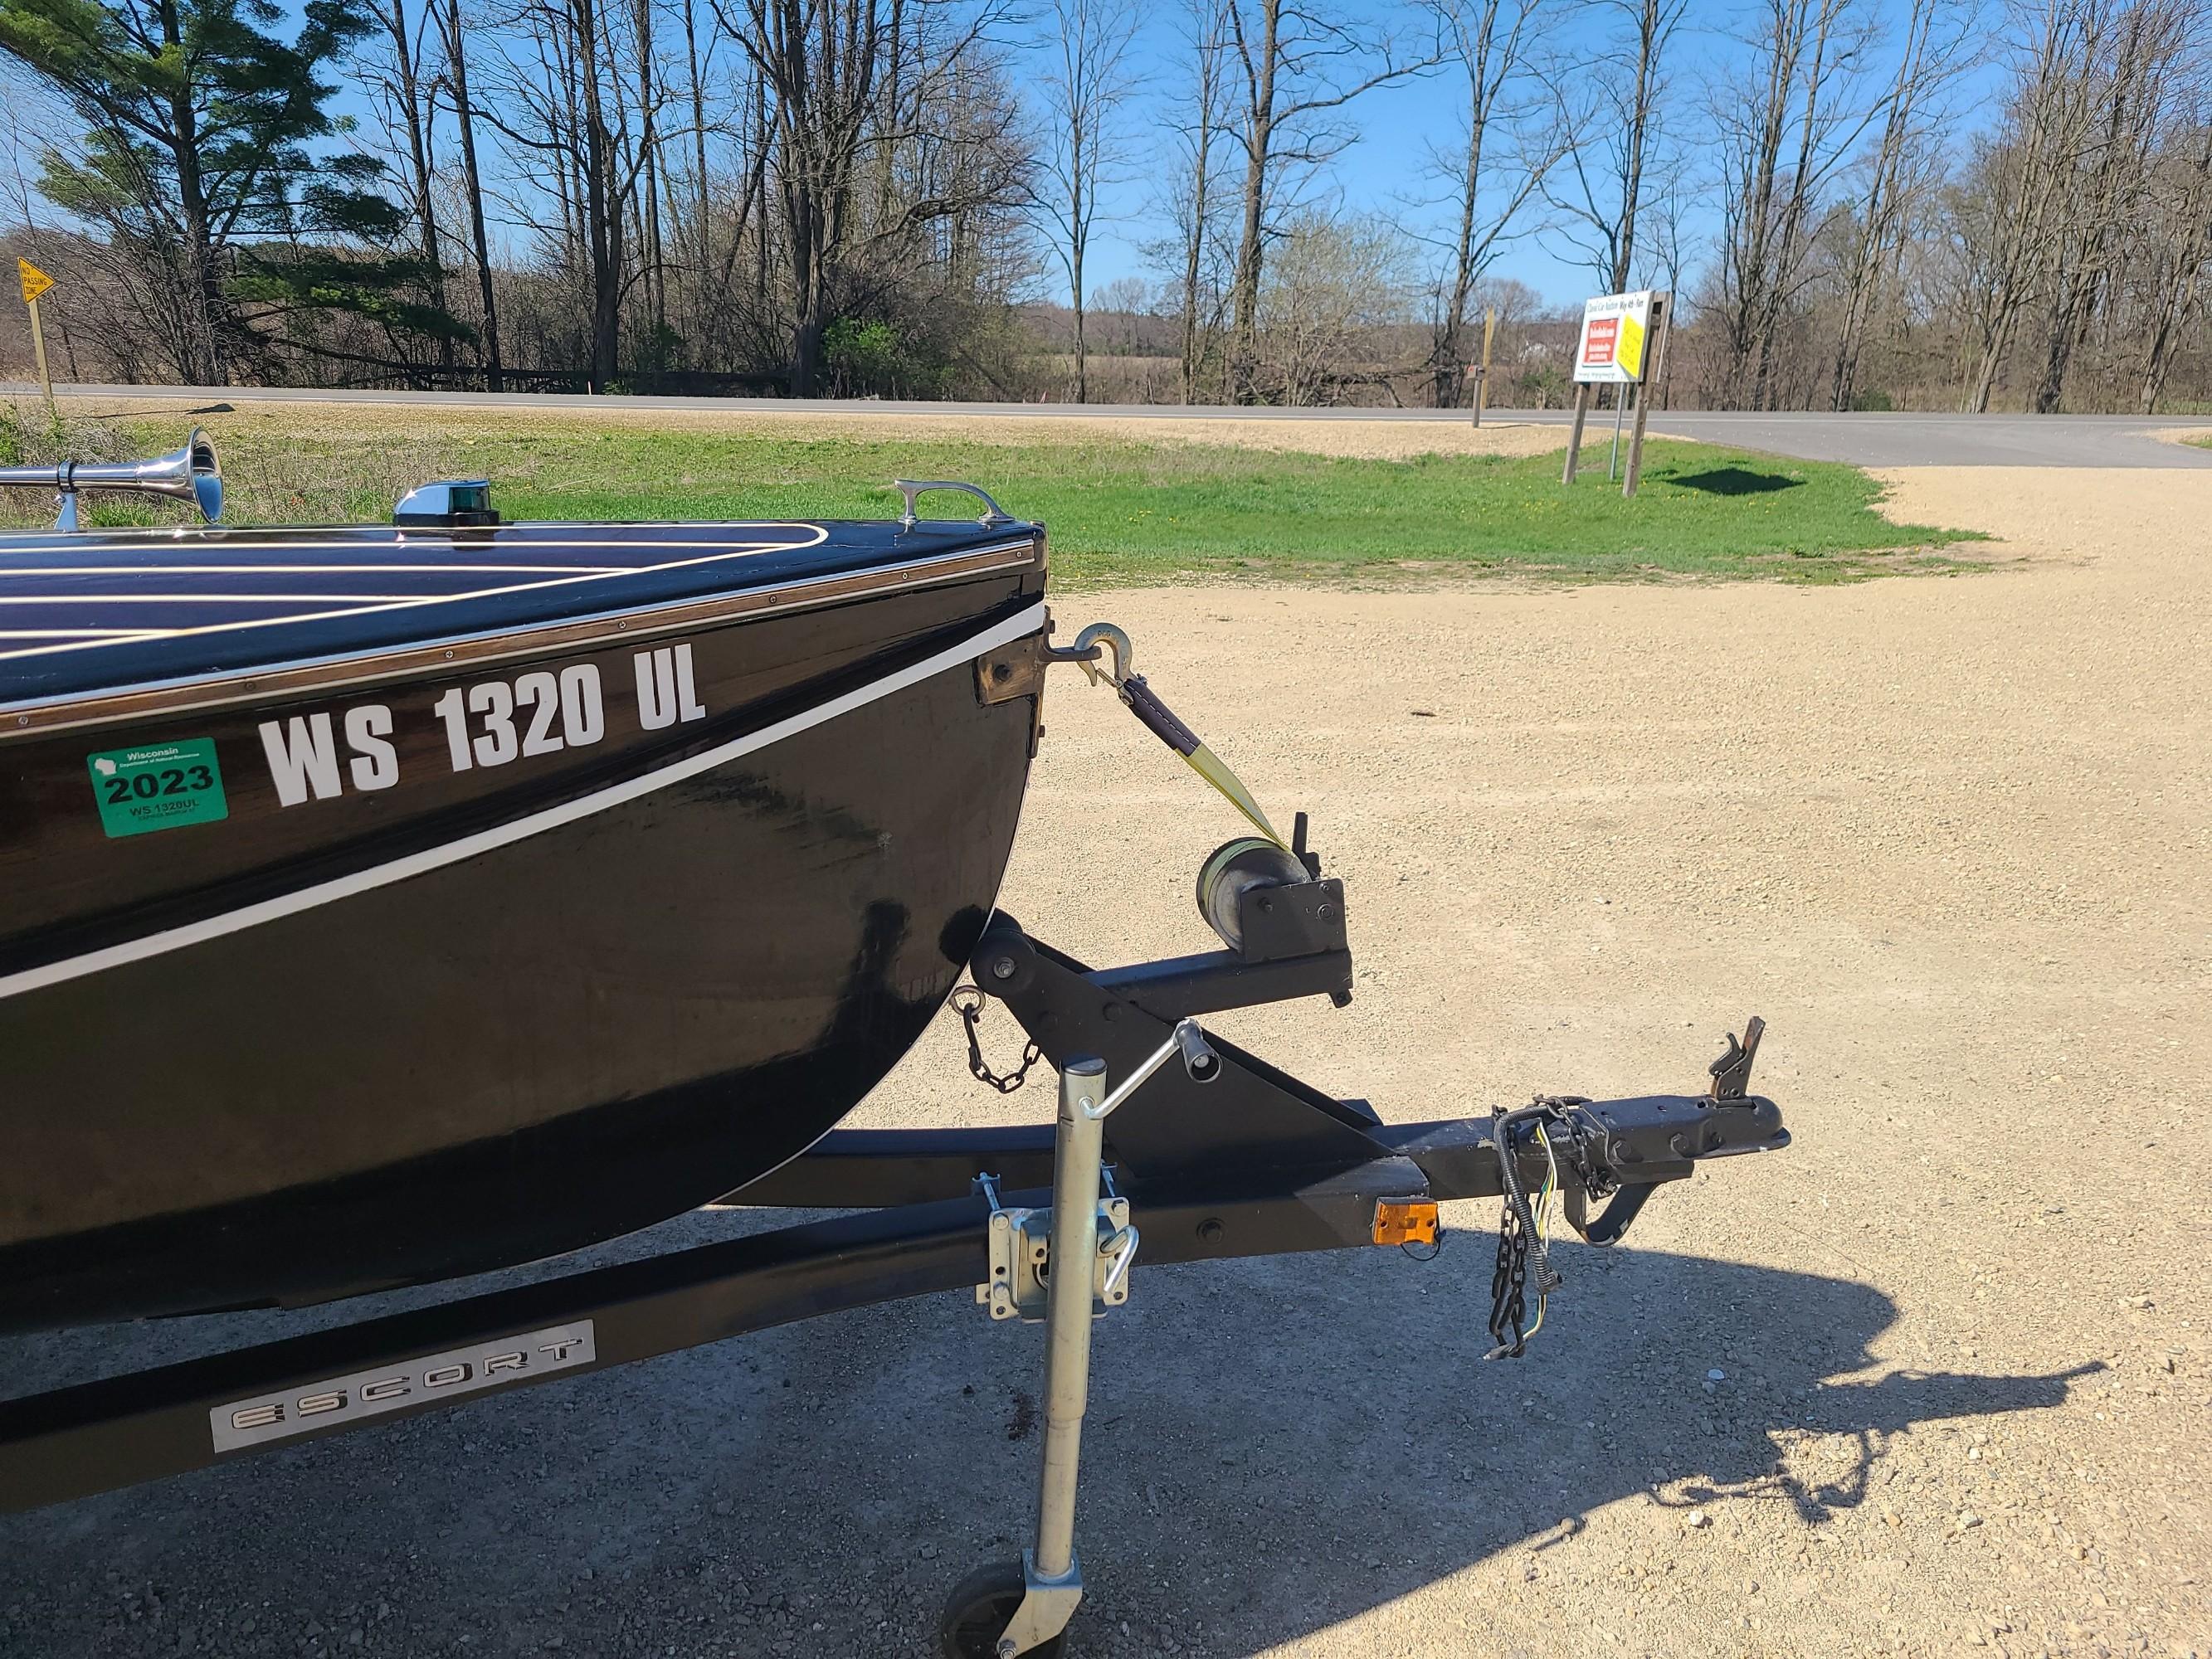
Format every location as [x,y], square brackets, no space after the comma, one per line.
[979,1610]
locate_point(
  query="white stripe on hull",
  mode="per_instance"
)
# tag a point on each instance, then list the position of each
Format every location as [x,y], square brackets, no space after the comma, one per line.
[354,569]
[312,536]
[435,858]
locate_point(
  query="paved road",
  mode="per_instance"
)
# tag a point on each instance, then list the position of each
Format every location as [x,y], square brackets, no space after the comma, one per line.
[1861,440]
[1942,439]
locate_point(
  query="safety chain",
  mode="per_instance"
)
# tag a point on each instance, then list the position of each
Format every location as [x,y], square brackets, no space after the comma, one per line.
[968,1003]
[1518,1239]
[1508,1290]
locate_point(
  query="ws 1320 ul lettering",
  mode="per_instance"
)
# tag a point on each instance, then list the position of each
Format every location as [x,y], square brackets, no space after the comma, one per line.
[316,756]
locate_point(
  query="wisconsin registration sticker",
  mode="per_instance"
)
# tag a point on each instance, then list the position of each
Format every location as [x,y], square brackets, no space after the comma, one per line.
[161,786]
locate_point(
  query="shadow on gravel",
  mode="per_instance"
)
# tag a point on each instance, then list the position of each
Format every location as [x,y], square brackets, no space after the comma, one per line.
[1869,1412]
[1274,1447]
[1374,1471]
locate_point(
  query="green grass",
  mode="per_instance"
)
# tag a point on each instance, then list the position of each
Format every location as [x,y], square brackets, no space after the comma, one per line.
[1123,511]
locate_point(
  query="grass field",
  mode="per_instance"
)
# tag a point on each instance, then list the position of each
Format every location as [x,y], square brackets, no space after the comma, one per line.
[1118,511]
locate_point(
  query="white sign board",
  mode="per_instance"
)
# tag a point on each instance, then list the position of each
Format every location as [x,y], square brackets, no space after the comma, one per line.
[1616,339]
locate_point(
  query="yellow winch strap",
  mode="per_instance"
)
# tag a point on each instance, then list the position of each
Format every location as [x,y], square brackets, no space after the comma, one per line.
[1211,767]
[1160,720]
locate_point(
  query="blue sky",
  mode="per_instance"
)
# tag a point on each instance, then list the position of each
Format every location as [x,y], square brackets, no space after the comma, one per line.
[1398,124]
[1380,171]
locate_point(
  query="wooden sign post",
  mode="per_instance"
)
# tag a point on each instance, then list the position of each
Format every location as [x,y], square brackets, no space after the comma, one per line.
[1575,438]
[1482,375]
[35,283]
[1662,323]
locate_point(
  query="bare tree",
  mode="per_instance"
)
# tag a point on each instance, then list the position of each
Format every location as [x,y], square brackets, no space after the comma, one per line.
[408,93]
[696,233]
[2022,175]
[1784,124]
[1933,53]
[572,113]
[840,78]
[1085,80]
[1296,67]
[645,200]
[448,17]
[2102,195]
[1489,43]
[1611,110]
[729,229]
[2178,275]
[1194,200]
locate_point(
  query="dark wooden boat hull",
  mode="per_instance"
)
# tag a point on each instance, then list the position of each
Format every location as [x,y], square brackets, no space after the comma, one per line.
[660,963]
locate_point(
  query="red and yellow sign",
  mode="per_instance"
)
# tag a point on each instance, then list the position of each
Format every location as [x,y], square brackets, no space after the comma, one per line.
[1616,329]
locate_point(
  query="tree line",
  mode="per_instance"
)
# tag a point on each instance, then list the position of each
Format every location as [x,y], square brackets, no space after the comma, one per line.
[1859,203]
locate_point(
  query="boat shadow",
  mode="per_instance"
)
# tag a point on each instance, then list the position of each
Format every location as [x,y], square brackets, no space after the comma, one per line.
[1274,1447]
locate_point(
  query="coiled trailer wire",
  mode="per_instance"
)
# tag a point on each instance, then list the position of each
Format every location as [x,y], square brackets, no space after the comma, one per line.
[1520,1235]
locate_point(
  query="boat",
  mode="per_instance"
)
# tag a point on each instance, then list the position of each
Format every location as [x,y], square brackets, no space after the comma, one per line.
[386,903]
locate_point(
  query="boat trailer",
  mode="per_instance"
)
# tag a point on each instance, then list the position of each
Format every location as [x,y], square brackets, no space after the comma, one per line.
[1170,1145]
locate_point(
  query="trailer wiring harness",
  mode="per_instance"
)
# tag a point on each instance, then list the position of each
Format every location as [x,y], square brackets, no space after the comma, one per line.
[1522,1230]
[1560,1126]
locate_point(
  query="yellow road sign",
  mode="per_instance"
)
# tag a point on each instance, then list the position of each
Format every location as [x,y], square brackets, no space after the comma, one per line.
[35,281]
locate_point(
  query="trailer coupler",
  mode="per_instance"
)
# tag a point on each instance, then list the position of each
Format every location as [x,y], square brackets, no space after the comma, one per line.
[1618,1150]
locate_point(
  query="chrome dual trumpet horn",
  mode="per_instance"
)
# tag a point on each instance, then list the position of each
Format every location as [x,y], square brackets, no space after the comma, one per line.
[190,474]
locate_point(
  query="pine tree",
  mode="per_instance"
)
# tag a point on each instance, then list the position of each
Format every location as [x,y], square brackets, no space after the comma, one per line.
[201,159]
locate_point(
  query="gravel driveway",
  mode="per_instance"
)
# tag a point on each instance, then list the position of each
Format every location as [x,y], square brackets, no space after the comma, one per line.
[1937,1379]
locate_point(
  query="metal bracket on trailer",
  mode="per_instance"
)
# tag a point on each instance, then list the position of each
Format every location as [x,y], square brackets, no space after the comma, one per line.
[1020,1244]
[1047,1606]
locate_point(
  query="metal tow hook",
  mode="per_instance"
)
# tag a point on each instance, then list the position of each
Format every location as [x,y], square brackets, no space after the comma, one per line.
[1114,640]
